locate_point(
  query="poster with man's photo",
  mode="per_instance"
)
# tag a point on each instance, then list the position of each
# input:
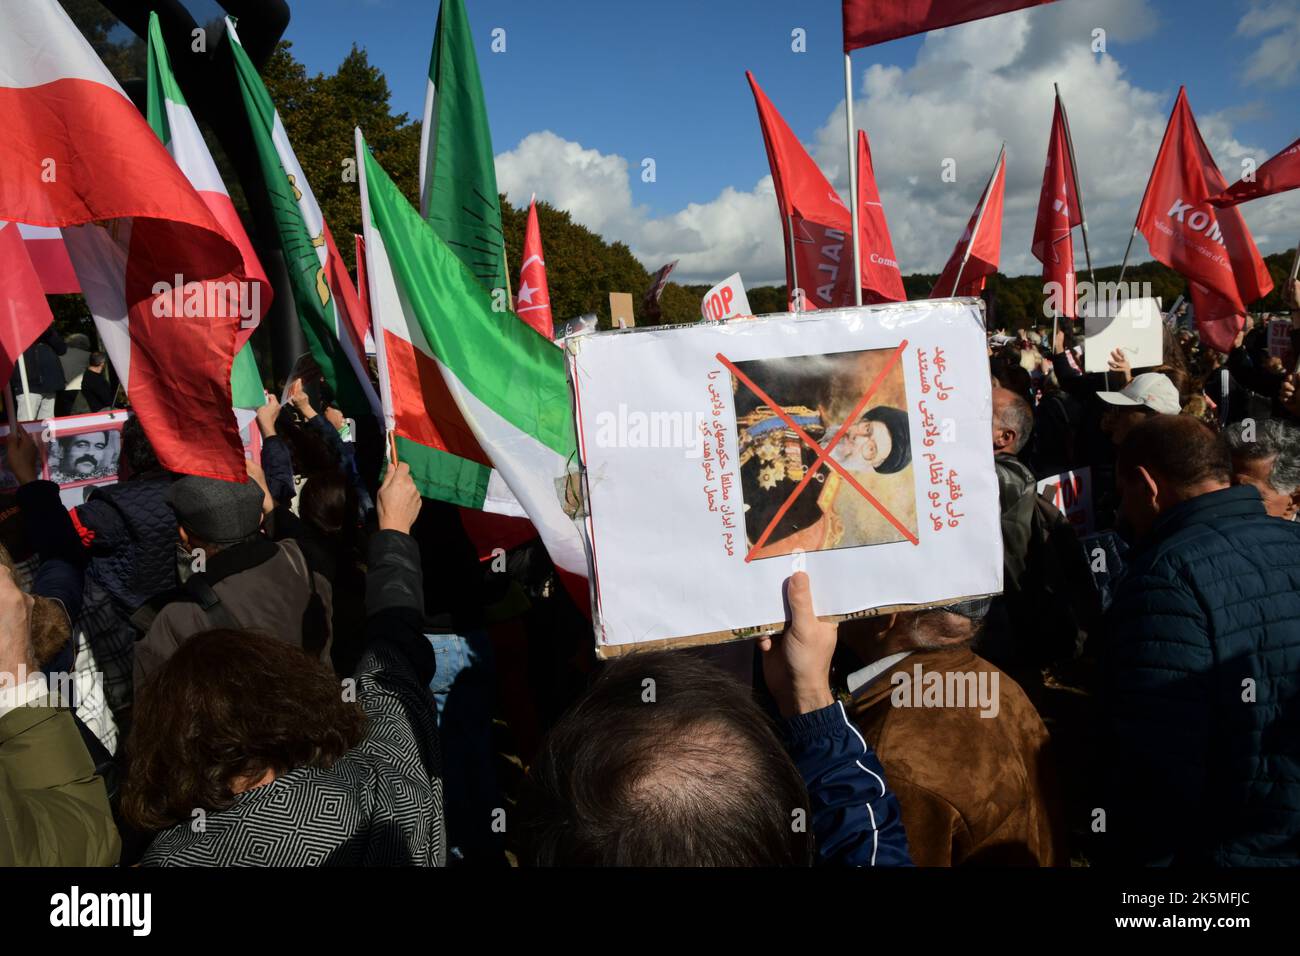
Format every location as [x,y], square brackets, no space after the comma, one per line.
[78,452]
[854,444]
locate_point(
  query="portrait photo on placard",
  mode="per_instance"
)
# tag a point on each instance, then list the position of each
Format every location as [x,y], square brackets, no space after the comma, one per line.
[87,455]
[848,409]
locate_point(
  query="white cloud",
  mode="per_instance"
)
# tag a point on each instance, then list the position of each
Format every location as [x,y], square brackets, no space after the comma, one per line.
[971,89]
[1273,63]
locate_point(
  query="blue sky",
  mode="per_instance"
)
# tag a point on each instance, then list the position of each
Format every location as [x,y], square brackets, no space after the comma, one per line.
[616,82]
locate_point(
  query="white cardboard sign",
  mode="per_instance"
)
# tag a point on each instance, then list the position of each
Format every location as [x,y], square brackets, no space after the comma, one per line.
[721,458]
[1134,325]
[1071,493]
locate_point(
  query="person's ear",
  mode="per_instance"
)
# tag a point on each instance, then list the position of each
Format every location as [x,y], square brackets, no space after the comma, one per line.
[1295,504]
[1148,486]
[185,538]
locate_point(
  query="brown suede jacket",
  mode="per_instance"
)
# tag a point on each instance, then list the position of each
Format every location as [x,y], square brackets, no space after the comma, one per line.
[973,789]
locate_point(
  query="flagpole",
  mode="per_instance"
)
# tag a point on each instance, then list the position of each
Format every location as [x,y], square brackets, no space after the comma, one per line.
[853,175]
[1078,190]
[979,218]
[27,392]
[794,264]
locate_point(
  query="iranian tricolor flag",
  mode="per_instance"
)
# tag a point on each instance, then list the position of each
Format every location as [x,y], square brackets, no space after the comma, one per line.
[151,258]
[323,294]
[170,117]
[489,384]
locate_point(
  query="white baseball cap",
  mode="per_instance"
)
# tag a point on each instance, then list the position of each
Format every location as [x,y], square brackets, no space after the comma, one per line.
[1151,390]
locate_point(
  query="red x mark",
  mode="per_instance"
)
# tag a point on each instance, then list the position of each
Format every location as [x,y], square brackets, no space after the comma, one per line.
[823,454]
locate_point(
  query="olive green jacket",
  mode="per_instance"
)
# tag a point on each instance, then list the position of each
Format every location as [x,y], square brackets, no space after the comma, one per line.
[53,808]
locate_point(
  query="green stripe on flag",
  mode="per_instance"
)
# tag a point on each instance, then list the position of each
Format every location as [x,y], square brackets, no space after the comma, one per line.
[506,365]
[311,294]
[246,380]
[162,84]
[443,476]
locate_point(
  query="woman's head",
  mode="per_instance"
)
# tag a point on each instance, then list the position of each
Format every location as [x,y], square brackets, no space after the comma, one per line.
[227,708]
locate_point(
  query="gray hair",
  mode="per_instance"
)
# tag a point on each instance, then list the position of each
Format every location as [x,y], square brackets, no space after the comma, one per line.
[1273,439]
[1018,416]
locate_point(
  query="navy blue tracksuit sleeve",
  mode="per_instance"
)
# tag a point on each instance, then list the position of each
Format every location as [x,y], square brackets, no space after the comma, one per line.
[856,820]
[277,465]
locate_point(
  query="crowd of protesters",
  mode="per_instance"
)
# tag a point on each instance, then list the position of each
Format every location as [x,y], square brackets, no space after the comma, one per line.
[315,667]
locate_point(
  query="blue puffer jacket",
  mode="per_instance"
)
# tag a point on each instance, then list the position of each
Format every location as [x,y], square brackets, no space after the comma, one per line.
[1202,677]
[131,532]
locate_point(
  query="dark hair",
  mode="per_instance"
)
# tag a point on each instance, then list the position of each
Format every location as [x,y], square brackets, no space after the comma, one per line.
[1178,448]
[328,503]
[229,704]
[666,761]
[96,358]
[137,451]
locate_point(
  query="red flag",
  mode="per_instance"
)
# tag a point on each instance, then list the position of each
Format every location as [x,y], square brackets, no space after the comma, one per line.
[867,22]
[1212,249]
[24,313]
[881,279]
[533,300]
[1058,213]
[818,255]
[980,246]
[1278,175]
[50,259]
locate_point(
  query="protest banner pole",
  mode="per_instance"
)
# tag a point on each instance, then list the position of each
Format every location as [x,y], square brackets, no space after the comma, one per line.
[979,218]
[1295,269]
[853,176]
[796,296]
[11,415]
[22,375]
[1078,190]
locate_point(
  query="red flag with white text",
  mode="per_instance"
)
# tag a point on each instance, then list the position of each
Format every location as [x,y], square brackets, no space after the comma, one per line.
[1278,175]
[1211,247]
[881,279]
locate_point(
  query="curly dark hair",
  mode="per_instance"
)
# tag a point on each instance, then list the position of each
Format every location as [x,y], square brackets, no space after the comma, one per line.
[229,705]
[137,451]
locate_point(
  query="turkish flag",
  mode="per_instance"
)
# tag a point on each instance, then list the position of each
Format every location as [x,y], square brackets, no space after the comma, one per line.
[819,255]
[881,279]
[24,313]
[1058,213]
[1278,175]
[533,300]
[1211,248]
[983,238]
[867,22]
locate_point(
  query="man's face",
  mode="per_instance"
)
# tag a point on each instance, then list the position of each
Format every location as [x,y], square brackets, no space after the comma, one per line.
[85,453]
[864,446]
[1255,472]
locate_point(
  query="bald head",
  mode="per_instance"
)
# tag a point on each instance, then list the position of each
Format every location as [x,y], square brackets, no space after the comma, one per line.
[1013,421]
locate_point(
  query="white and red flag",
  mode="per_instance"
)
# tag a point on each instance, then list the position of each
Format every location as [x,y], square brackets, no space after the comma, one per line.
[77,155]
[867,22]
[979,250]
[1059,211]
[533,298]
[1278,175]
[1211,247]
[50,259]
[881,279]
[24,313]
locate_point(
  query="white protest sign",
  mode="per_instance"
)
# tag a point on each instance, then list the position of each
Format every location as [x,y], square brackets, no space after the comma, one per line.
[1071,493]
[1134,325]
[726,300]
[1279,339]
[721,458]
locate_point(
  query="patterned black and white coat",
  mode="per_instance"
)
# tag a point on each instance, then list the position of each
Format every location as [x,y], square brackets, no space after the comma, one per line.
[381,803]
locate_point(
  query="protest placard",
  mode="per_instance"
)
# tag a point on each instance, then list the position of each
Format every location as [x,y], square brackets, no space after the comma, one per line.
[77,452]
[620,310]
[726,300]
[1279,340]
[1133,325]
[720,458]
[1071,493]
